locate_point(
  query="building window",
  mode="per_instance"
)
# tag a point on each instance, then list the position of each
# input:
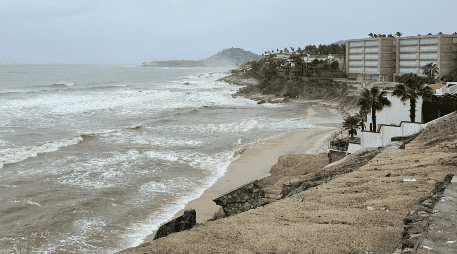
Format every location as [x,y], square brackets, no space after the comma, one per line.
[408,49]
[359,63]
[355,69]
[371,56]
[355,50]
[429,48]
[429,41]
[407,63]
[356,43]
[454,40]
[407,56]
[371,43]
[423,63]
[409,42]
[371,70]
[371,63]
[372,49]
[355,56]
[428,55]
[408,70]
[394,42]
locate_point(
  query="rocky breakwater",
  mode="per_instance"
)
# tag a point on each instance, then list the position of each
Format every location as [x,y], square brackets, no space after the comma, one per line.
[244,198]
[237,80]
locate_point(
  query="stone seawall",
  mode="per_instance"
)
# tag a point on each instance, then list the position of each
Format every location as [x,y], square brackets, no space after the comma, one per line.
[183,222]
[242,199]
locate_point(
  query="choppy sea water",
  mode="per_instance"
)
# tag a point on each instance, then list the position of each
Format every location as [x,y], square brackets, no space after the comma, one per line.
[95,158]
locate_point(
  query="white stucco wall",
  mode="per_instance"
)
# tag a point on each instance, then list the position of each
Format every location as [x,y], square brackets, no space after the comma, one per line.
[399,111]
[411,128]
[387,132]
[353,148]
[371,139]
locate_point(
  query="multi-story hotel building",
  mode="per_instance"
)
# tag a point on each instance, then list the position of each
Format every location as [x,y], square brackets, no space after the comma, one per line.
[370,58]
[385,58]
[413,52]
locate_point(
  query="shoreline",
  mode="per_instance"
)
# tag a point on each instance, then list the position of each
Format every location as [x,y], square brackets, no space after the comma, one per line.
[255,160]
[254,163]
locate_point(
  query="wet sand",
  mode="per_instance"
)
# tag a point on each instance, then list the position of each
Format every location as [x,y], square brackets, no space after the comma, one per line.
[255,163]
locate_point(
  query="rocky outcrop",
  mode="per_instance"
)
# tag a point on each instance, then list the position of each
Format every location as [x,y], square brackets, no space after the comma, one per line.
[183,222]
[244,198]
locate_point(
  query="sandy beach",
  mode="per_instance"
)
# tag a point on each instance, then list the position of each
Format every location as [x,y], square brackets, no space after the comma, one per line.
[255,163]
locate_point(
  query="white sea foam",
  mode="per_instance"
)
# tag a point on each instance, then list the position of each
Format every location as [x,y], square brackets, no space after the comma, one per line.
[32,203]
[10,155]
[137,232]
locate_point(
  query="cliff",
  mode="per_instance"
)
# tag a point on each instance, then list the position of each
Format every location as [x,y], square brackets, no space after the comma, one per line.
[232,58]
[361,205]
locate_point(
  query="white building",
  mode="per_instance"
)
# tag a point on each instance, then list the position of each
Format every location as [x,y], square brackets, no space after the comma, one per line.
[396,113]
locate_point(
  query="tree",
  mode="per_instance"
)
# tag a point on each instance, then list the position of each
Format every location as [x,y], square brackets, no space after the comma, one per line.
[429,34]
[351,123]
[430,70]
[371,35]
[277,50]
[454,33]
[410,88]
[398,34]
[390,36]
[451,76]
[373,100]
[299,50]
[292,48]
[362,115]
[334,65]
[440,33]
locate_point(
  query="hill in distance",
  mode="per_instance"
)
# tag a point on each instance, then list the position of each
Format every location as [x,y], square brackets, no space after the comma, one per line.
[340,42]
[233,57]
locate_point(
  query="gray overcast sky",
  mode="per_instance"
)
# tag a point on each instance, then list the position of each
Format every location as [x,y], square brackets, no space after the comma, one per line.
[132,32]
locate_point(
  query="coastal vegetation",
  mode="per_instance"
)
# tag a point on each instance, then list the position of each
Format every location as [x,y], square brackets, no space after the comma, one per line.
[410,88]
[351,123]
[374,100]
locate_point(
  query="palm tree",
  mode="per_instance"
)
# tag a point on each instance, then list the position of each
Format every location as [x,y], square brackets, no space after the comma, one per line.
[371,35]
[440,33]
[362,115]
[390,36]
[429,34]
[292,48]
[454,33]
[351,123]
[410,88]
[277,50]
[373,100]
[398,34]
[430,70]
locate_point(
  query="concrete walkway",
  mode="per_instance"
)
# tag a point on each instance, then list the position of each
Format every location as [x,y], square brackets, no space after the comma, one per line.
[442,233]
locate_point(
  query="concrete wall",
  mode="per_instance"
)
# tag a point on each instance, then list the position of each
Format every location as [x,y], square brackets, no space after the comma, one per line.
[439,119]
[353,147]
[411,128]
[387,132]
[334,155]
[399,111]
[371,139]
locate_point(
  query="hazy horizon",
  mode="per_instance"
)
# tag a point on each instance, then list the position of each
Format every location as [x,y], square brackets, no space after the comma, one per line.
[132,32]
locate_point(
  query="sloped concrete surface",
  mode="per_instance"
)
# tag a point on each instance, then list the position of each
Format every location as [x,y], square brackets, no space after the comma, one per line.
[442,233]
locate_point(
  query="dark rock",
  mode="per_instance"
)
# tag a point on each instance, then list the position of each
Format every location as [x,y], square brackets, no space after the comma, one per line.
[388,175]
[219,214]
[246,197]
[261,102]
[183,222]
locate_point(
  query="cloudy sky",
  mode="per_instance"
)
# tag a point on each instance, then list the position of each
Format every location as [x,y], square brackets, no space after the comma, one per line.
[132,32]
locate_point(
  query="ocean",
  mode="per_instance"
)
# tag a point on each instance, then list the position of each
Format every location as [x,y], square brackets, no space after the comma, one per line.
[93,158]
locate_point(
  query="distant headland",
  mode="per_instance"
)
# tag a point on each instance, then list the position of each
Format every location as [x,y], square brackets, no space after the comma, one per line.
[233,57]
